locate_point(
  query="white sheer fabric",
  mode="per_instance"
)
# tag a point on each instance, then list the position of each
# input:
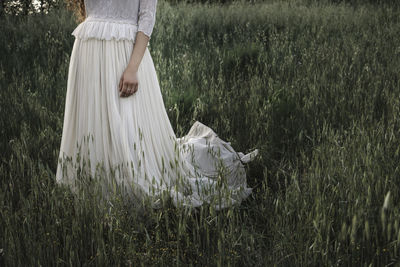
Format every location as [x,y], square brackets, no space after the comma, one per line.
[117,19]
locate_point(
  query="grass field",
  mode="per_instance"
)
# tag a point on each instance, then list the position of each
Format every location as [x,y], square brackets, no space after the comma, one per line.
[314,86]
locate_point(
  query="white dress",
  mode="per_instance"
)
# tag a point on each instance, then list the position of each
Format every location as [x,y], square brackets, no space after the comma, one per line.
[129,141]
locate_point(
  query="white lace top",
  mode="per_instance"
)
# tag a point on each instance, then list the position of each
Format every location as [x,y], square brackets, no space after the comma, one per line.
[117,19]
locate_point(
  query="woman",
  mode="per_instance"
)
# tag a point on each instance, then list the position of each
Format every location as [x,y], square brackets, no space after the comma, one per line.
[115,123]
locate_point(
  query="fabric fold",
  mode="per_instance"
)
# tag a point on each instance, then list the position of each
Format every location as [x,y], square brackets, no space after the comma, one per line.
[106,29]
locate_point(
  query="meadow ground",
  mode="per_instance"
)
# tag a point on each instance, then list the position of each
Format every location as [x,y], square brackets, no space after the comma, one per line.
[314,86]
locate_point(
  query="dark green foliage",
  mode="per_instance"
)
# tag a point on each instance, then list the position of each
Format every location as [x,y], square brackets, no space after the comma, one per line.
[25,7]
[314,86]
[314,2]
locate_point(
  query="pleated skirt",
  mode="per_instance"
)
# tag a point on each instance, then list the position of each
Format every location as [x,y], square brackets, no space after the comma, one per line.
[129,141]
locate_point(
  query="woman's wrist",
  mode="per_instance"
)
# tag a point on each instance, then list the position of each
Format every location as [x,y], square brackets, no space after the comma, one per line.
[132,67]
[138,51]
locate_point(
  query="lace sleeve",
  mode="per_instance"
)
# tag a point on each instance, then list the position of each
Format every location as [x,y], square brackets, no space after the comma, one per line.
[147,16]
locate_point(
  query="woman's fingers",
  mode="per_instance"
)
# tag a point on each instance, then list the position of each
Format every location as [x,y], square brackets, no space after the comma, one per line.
[134,88]
[120,83]
[124,89]
[127,91]
[127,88]
[131,89]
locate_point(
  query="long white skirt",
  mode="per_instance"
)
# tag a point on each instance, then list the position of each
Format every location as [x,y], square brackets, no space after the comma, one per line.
[129,141]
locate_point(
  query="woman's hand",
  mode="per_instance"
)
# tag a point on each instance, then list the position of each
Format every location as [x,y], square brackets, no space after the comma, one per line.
[128,84]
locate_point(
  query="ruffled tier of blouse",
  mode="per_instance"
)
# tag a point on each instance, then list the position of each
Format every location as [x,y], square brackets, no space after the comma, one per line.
[106,29]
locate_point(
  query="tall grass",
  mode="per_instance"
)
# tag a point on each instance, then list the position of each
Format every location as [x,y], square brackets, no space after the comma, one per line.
[314,86]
